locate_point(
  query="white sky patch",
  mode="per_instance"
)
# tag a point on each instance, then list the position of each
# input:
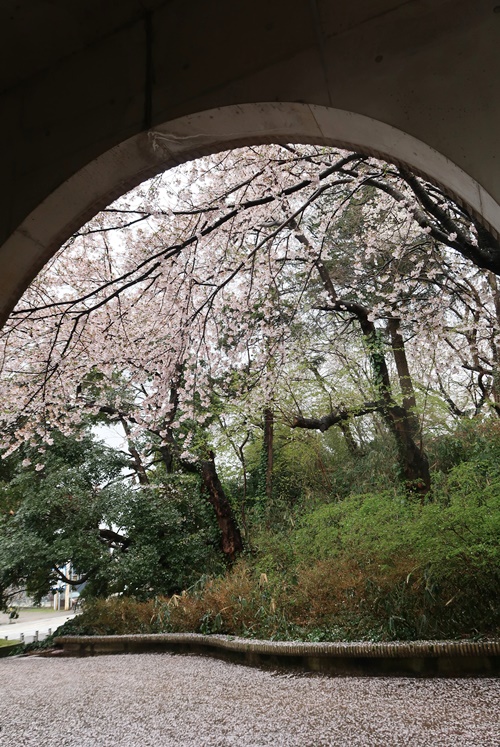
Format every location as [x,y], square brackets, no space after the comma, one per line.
[112,435]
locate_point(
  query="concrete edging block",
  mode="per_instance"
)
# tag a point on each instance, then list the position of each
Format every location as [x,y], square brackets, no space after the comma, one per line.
[418,659]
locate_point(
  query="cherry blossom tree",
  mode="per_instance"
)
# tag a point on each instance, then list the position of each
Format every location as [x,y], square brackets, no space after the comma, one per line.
[197,288]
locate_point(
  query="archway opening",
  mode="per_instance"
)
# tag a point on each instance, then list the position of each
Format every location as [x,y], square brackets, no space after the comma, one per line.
[299,292]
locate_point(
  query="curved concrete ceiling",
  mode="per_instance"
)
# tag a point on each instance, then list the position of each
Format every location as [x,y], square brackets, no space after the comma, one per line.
[81,85]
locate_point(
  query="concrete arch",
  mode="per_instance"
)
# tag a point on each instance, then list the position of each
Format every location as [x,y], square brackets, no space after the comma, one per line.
[148,153]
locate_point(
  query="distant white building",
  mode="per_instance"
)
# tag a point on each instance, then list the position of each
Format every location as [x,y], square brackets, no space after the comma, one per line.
[21,599]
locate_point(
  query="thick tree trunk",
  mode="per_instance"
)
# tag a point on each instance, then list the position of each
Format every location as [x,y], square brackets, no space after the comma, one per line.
[167,458]
[243,501]
[403,369]
[413,460]
[231,541]
[137,464]
[351,443]
[269,450]
[401,421]
[405,423]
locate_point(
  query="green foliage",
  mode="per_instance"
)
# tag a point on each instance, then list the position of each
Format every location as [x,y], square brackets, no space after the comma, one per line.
[470,440]
[374,566]
[53,516]
[330,559]
[173,539]
[415,570]
[311,468]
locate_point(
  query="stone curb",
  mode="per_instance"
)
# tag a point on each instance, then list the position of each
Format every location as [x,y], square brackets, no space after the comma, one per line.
[418,658]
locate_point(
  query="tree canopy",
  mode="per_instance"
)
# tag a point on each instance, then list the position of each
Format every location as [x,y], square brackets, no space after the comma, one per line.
[227,277]
[225,307]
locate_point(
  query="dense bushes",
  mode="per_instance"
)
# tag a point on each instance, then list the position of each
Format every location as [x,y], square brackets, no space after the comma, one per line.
[376,566]
[379,565]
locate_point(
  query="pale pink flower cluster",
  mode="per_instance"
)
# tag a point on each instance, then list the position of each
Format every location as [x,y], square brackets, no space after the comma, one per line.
[211,291]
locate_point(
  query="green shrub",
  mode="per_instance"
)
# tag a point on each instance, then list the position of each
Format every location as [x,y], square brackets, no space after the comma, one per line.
[378,565]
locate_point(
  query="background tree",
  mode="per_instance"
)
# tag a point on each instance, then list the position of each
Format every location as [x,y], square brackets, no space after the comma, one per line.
[199,288]
[81,509]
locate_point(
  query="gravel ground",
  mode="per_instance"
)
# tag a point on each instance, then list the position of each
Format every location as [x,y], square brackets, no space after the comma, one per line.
[190,701]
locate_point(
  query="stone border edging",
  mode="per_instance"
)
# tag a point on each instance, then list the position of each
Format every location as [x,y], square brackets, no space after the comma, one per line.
[420,658]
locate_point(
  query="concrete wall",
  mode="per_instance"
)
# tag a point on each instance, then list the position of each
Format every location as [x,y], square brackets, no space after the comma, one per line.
[412,658]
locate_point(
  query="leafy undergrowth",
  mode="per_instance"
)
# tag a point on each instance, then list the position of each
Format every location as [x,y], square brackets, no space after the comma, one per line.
[375,566]
[369,567]
[328,601]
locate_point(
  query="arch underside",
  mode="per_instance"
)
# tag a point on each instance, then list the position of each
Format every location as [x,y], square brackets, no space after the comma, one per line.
[148,153]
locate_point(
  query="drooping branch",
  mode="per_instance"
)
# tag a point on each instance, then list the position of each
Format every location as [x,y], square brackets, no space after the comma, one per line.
[336,417]
[487,252]
[74,581]
[144,269]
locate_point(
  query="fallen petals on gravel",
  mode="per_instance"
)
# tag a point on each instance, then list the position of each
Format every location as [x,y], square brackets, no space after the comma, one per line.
[190,701]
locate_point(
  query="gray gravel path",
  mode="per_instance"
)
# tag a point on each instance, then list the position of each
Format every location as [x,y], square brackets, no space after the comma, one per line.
[190,701]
